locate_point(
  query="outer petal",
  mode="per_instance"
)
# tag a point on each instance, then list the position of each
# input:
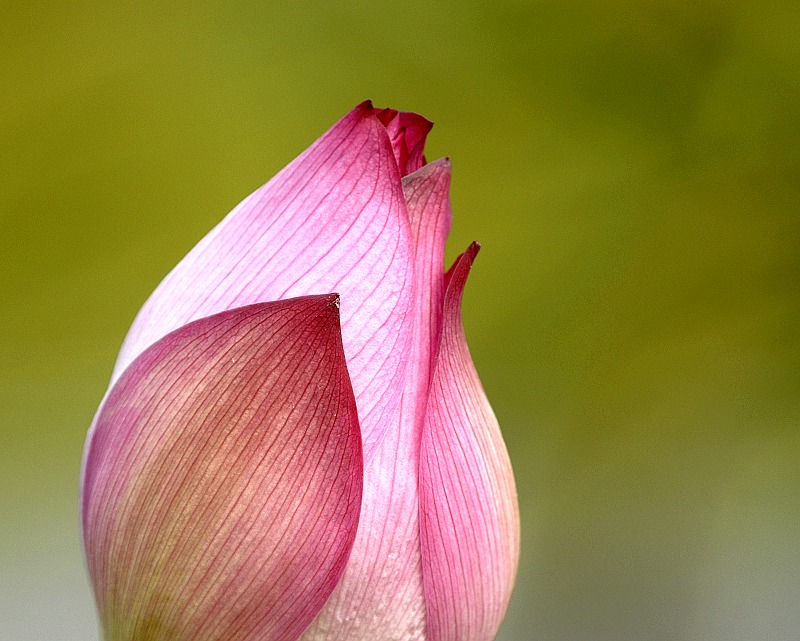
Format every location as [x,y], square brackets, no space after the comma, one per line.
[222,490]
[468,503]
[380,596]
[333,220]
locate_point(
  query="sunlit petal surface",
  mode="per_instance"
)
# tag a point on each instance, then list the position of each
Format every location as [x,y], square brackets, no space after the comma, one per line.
[334,220]
[381,594]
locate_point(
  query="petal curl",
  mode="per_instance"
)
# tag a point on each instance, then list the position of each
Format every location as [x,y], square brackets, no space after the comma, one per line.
[469,518]
[407,131]
[222,488]
[334,219]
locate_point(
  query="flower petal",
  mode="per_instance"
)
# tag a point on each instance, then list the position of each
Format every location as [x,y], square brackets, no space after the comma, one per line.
[333,220]
[381,595]
[427,193]
[222,488]
[469,518]
[407,132]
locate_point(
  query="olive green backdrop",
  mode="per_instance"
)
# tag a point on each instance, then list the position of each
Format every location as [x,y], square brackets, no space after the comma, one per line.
[632,170]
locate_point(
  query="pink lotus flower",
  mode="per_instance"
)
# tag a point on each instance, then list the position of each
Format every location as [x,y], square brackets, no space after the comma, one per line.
[266,466]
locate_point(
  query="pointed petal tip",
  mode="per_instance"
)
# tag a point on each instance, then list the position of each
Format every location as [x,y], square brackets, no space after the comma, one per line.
[324,309]
[386,115]
[420,122]
[467,258]
[439,168]
[364,108]
[328,301]
[456,277]
[333,304]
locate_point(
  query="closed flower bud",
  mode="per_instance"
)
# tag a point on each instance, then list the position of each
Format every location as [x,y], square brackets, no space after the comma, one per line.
[295,443]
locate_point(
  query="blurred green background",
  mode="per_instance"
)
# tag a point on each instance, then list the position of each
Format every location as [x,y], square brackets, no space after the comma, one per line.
[632,170]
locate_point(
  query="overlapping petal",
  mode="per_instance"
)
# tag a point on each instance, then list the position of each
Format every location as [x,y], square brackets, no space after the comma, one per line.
[333,220]
[469,518]
[381,595]
[222,489]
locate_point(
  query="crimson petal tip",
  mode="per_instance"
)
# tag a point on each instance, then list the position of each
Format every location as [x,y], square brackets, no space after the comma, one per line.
[365,108]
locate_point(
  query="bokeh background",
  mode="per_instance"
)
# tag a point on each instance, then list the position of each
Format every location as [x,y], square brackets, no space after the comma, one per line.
[632,169]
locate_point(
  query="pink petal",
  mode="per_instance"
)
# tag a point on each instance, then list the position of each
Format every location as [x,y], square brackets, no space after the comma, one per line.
[468,503]
[381,594]
[333,220]
[427,193]
[223,484]
[407,132]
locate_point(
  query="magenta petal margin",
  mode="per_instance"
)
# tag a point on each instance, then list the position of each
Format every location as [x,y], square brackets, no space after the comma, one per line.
[274,462]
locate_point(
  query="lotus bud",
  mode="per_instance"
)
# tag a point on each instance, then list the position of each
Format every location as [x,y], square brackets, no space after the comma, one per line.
[295,443]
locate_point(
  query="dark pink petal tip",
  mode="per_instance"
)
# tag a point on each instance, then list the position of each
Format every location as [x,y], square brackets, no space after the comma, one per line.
[364,109]
[407,132]
[456,277]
